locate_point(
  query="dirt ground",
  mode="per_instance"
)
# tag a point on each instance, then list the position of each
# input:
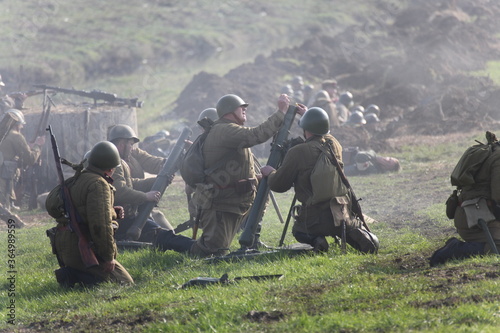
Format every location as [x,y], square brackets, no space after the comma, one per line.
[415,64]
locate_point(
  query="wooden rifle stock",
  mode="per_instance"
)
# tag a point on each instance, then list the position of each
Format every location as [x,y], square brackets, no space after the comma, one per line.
[161,183]
[275,159]
[88,256]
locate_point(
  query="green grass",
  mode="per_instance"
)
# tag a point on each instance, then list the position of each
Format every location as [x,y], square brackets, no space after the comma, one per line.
[393,291]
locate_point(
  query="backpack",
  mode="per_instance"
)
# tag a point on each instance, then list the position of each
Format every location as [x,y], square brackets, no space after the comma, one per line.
[323,190]
[192,167]
[471,161]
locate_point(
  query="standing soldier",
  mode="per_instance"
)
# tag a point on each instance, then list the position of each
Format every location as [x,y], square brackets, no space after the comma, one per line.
[131,192]
[229,189]
[315,221]
[93,198]
[324,101]
[15,153]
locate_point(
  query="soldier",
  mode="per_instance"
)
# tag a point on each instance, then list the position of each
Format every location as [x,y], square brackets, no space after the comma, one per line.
[316,221]
[298,89]
[93,198]
[368,162]
[140,162]
[482,197]
[343,105]
[131,192]
[324,101]
[15,153]
[331,88]
[229,189]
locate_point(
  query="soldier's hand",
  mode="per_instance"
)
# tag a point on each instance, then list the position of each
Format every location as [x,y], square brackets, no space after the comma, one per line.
[153,196]
[266,170]
[301,109]
[109,266]
[283,102]
[120,212]
[40,141]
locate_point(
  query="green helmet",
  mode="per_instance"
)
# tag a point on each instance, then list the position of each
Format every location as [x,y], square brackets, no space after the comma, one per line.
[228,103]
[104,155]
[357,118]
[16,115]
[122,132]
[346,99]
[210,113]
[316,121]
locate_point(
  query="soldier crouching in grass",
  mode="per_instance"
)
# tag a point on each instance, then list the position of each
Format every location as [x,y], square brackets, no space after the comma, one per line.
[93,198]
[318,218]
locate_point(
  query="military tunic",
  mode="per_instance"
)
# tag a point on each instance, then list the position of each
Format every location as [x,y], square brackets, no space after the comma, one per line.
[92,198]
[296,171]
[227,195]
[15,150]
[487,186]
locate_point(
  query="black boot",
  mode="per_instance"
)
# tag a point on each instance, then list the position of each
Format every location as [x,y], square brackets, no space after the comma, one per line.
[167,240]
[456,249]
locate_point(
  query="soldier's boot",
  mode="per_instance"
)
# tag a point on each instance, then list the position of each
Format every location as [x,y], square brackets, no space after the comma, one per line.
[167,240]
[363,240]
[68,277]
[257,243]
[456,249]
[320,244]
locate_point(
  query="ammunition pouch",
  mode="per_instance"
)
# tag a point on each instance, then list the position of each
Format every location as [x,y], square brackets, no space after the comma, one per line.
[51,233]
[246,185]
[452,205]
[476,209]
[8,170]
[339,207]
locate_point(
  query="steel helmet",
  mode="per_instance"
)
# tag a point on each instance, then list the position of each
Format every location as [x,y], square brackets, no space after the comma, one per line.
[359,108]
[371,118]
[346,99]
[228,103]
[210,113]
[372,108]
[122,132]
[316,121]
[357,118]
[104,155]
[16,115]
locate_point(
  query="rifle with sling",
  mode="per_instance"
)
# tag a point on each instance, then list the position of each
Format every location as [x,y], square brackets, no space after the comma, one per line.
[355,206]
[95,95]
[275,158]
[163,179]
[74,219]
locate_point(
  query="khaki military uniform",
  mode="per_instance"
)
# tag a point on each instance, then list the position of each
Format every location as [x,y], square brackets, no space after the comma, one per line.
[93,199]
[487,186]
[230,189]
[16,154]
[140,161]
[296,171]
[130,194]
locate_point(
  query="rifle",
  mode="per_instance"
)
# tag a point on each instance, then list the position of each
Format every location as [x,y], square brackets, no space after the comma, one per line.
[163,179]
[95,95]
[275,159]
[355,206]
[88,256]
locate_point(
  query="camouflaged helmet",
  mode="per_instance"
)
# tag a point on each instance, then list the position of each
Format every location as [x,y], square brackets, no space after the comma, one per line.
[16,115]
[122,132]
[104,155]
[228,103]
[210,113]
[372,108]
[346,99]
[316,121]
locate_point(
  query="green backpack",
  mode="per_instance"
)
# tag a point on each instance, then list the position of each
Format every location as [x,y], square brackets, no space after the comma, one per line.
[471,161]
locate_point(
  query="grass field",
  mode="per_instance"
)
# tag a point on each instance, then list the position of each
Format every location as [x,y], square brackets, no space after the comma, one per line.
[393,291]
